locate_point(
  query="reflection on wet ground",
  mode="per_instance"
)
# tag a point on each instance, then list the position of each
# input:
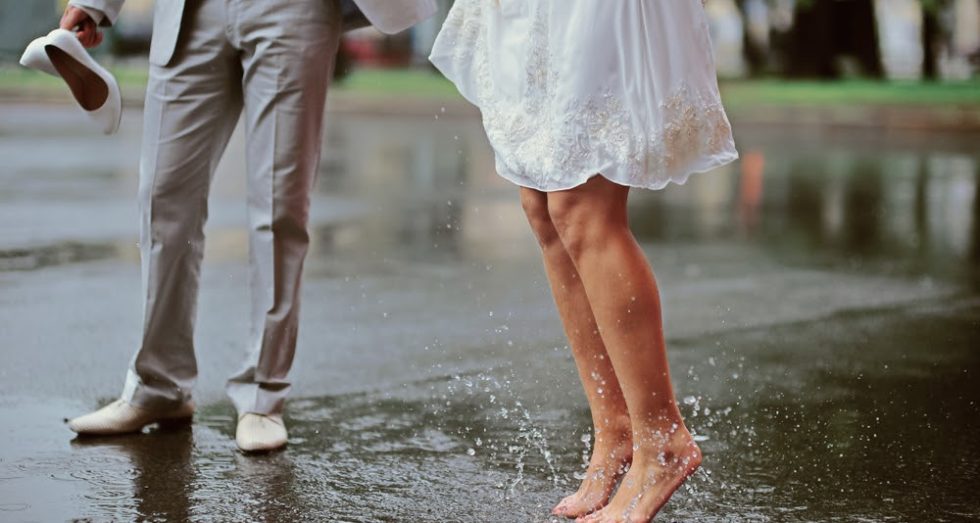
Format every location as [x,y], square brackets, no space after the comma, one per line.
[822,301]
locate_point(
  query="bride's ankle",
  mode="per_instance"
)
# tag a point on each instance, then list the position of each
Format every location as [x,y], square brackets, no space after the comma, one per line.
[613,435]
[659,437]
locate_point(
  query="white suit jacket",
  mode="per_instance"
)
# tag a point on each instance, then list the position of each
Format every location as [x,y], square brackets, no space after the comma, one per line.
[389,16]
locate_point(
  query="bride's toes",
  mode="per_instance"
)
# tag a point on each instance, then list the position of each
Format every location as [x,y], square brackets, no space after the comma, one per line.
[579,504]
[592,495]
[595,517]
[651,482]
[570,507]
[562,508]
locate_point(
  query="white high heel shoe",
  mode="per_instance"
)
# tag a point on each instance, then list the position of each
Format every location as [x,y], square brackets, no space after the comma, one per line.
[36,58]
[95,89]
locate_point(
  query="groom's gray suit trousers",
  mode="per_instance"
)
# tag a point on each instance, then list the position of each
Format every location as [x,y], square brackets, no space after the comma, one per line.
[270,61]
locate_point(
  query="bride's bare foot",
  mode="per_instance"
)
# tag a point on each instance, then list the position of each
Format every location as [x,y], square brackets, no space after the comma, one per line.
[657,471]
[610,460]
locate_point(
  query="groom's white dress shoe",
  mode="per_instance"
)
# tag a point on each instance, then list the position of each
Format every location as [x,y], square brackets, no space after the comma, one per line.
[94,88]
[121,417]
[260,433]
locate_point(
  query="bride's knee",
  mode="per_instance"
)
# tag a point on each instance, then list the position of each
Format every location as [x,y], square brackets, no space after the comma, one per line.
[577,230]
[585,221]
[535,205]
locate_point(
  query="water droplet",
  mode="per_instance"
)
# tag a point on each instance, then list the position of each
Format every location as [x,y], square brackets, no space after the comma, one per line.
[471,451]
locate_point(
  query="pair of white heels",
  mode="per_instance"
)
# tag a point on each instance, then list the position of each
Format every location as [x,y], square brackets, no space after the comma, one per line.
[59,53]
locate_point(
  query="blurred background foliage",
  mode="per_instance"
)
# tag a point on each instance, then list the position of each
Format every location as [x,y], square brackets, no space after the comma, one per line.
[823,32]
[774,44]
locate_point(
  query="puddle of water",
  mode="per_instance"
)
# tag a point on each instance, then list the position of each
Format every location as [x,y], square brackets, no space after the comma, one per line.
[50,255]
[790,433]
[411,190]
[821,303]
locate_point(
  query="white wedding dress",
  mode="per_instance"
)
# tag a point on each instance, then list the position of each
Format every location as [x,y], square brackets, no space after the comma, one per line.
[574,88]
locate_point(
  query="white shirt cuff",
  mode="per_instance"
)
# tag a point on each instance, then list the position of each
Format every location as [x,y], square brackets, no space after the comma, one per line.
[96,15]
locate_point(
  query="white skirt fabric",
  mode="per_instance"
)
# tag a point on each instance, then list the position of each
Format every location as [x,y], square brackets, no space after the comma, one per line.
[570,89]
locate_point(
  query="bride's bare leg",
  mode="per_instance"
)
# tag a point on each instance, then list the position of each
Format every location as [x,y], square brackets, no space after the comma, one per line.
[592,223]
[613,445]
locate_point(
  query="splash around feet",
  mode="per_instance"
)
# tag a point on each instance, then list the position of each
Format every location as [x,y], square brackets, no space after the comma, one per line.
[652,479]
[605,468]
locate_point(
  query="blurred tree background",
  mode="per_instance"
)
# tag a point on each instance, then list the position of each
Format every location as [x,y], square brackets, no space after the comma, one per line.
[799,39]
[831,39]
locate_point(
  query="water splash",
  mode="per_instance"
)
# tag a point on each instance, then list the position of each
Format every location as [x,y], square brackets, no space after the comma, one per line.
[522,436]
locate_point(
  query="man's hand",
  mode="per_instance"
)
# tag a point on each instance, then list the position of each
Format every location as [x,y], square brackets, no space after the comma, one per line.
[88,31]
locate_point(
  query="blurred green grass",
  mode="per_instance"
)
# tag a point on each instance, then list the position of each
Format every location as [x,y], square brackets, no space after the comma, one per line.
[15,79]
[18,82]
[377,82]
[740,93]
[735,92]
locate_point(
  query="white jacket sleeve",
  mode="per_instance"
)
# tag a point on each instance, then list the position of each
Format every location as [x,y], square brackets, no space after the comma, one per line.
[108,8]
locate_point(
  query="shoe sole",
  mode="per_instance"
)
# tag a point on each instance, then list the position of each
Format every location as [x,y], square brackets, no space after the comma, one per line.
[262,451]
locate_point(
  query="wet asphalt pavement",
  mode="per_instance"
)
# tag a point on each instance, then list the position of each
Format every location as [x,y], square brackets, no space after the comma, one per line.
[822,303]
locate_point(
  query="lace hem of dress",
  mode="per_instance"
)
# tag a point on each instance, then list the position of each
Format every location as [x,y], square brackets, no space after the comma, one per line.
[548,147]
[544,146]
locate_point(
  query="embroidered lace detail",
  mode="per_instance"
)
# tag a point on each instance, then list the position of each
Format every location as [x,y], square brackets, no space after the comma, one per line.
[545,141]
